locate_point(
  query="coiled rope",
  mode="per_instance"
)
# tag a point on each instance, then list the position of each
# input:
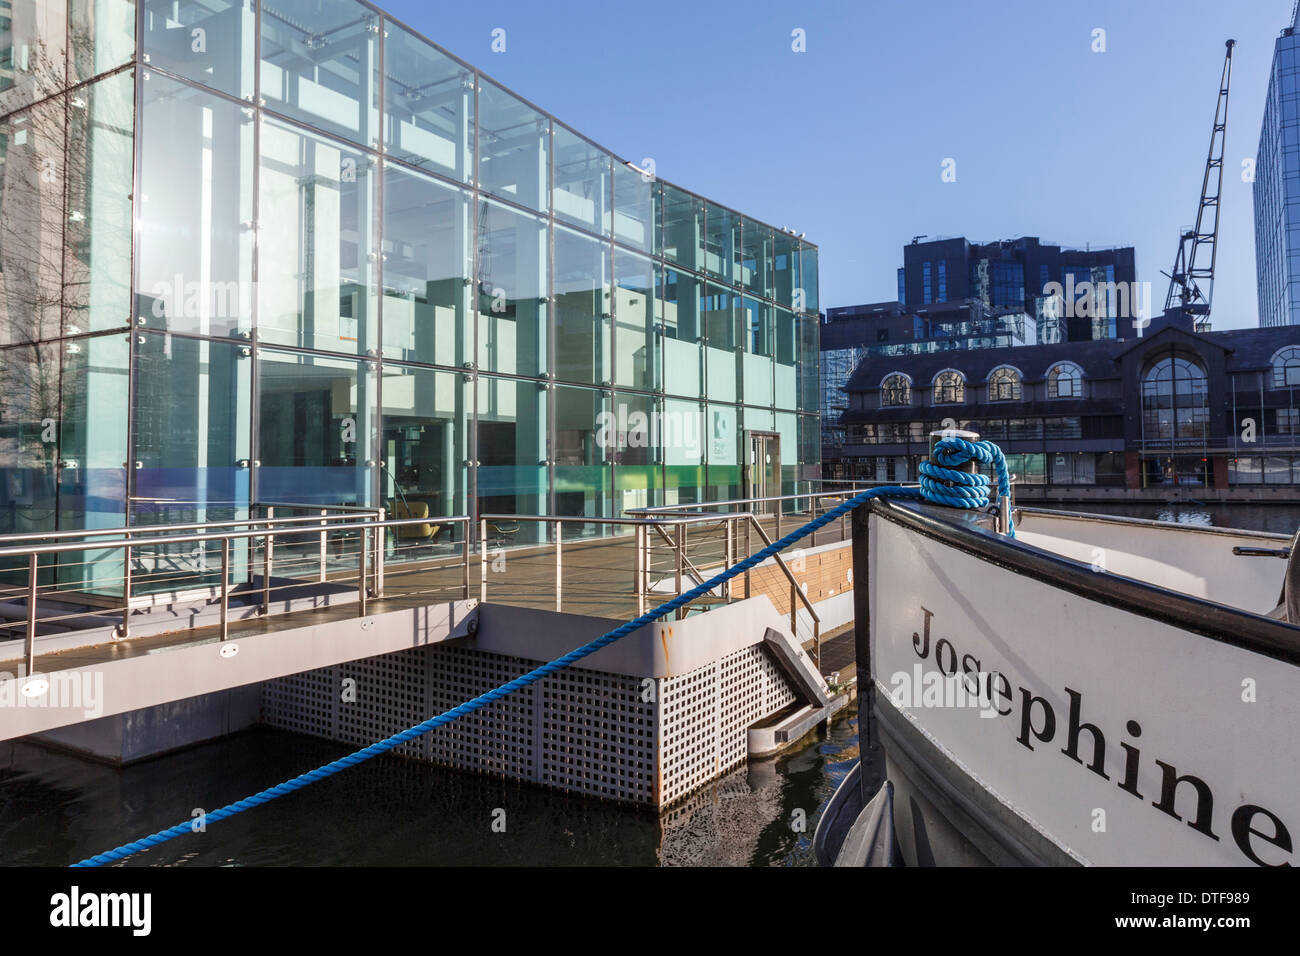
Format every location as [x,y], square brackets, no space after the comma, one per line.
[941,483]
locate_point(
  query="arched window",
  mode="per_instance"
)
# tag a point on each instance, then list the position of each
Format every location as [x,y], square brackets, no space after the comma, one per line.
[1004,384]
[896,389]
[949,387]
[1286,367]
[1065,381]
[1175,400]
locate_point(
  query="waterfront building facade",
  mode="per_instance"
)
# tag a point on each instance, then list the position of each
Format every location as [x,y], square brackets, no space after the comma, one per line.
[1277,188]
[290,250]
[1027,275]
[1172,410]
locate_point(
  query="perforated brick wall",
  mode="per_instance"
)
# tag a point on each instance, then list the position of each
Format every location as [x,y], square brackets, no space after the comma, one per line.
[649,742]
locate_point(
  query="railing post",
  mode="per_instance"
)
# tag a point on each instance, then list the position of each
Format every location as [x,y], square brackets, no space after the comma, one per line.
[817,644]
[730,556]
[678,541]
[361,575]
[748,552]
[812,514]
[225,594]
[638,533]
[29,645]
[777,536]
[124,629]
[381,535]
[482,562]
[559,564]
[324,543]
[266,562]
[794,611]
[464,554]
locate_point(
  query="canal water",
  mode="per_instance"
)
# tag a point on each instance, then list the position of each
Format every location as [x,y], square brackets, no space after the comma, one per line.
[56,809]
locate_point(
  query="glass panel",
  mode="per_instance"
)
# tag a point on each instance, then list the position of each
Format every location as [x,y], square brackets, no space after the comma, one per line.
[682,437]
[196,210]
[512,284]
[724,437]
[756,258]
[719,308]
[810,455]
[319,65]
[785,249]
[787,427]
[757,324]
[683,227]
[757,379]
[636,331]
[428,106]
[786,356]
[97,238]
[513,140]
[809,338]
[683,332]
[582,303]
[633,436]
[207,41]
[636,195]
[582,175]
[29,452]
[31,222]
[511,455]
[581,463]
[807,279]
[423,453]
[92,447]
[316,284]
[722,243]
[426,268]
[316,429]
[192,406]
[33,52]
[103,37]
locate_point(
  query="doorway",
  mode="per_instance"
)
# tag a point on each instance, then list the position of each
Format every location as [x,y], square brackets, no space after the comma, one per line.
[763,470]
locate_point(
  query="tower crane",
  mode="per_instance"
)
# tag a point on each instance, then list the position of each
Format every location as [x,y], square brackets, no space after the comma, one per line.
[1194,263]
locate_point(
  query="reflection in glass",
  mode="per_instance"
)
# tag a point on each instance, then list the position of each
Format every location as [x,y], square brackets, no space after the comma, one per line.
[33,52]
[683,334]
[757,322]
[316,285]
[581,187]
[638,431]
[195,248]
[97,238]
[787,349]
[683,227]
[426,268]
[722,243]
[207,41]
[428,106]
[423,454]
[582,306]
[513,146]
[723,450]
[582,450]
[319,65]
[103,37]
[511,456]
[636,195]
[808,277]
[32,180]
[683,438]
[193,414]
[785,267]
[636,332]
[512,290]
[719,308]
[29,415]
[756,258]
[316,429]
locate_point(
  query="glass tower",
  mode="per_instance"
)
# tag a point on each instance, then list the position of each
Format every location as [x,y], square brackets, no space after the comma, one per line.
[290,250]
[1277,189]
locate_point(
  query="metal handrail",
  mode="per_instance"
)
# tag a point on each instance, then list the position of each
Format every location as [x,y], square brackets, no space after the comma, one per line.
[314,525]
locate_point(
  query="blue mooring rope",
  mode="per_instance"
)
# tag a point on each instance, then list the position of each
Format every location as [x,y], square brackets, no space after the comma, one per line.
[941,483]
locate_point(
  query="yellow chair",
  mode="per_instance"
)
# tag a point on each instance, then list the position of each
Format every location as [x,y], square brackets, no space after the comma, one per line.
[413,532]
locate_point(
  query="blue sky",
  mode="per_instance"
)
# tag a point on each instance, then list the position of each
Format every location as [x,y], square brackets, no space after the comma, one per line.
[845,141]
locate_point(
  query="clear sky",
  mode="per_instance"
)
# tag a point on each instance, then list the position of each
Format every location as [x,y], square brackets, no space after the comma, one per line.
[845,141]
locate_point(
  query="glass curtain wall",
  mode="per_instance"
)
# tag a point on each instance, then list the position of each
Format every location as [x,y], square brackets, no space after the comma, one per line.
[292,251]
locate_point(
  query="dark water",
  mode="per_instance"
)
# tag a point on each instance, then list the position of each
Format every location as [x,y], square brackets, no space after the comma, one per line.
[56,809]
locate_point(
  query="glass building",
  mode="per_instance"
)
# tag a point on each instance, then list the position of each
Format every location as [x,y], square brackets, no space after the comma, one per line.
[1277,188]
[290,250]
